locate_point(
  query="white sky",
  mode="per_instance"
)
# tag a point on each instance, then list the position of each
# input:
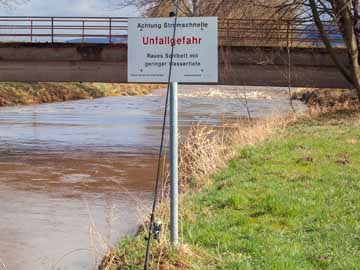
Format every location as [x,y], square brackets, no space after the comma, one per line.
[69,8]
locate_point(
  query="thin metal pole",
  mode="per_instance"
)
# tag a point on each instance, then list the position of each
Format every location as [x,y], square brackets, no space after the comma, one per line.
[174,174]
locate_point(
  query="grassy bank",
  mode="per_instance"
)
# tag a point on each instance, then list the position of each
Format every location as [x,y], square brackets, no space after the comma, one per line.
[36,93]
[288,202]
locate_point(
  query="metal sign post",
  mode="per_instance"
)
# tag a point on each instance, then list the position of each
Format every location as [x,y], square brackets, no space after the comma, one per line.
[174,173]
[151,58]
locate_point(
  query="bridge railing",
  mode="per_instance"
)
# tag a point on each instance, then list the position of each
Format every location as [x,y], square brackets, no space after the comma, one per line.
[232,32]
[64,29]
[273,33]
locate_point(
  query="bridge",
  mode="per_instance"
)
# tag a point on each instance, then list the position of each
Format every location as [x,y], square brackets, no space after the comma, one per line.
[94,49]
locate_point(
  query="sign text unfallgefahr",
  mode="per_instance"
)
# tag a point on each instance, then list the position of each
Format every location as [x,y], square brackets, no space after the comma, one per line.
[195,57]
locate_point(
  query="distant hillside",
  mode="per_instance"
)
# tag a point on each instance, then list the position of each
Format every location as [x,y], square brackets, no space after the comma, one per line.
[311,33]
[122,40]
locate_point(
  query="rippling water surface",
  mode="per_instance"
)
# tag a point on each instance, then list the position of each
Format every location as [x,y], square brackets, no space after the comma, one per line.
[76,176]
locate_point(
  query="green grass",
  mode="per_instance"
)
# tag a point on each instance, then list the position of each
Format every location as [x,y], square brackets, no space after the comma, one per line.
[289,204]
[292,203]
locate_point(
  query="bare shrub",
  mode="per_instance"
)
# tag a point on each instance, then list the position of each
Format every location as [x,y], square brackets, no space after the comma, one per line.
[206,149]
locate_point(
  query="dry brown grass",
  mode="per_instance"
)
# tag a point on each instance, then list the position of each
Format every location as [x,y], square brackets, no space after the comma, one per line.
[12,93]
[347,108]
[207,149]
[126,89]
[325,100]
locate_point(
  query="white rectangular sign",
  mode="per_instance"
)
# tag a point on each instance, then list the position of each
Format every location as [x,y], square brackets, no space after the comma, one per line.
[195,57]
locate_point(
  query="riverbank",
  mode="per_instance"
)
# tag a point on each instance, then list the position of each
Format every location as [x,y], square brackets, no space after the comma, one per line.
[288,199]
[323,98]
[36,93]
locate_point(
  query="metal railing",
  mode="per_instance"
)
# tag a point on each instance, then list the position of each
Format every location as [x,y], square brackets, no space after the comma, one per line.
[232,32]
[64,29]
[273,33]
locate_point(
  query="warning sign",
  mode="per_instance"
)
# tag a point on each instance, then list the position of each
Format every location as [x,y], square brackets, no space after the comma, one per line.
[195,57]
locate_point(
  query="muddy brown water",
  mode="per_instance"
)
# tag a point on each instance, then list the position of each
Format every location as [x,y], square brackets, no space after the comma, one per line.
[77,176]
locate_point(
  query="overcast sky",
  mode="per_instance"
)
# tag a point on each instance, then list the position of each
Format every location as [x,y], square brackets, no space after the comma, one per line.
[67,8]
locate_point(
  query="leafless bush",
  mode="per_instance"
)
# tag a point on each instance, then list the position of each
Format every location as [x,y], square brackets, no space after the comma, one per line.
[206,149]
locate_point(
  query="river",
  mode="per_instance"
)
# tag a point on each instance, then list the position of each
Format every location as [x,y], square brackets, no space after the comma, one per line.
[77,176]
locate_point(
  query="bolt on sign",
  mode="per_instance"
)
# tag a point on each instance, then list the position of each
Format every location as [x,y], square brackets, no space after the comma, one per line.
[195,57]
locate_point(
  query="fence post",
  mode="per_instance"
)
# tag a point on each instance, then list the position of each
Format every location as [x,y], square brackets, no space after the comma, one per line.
[52,29]
[31,31]
[288,34]
[110,32]
[83,31]
[291,27]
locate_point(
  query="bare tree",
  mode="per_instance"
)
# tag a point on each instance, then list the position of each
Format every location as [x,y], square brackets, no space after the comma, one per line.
[222,8]
[344,16]
[154,7]
[11,3]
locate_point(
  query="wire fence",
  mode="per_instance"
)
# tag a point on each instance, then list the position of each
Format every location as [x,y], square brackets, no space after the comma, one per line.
[232,32]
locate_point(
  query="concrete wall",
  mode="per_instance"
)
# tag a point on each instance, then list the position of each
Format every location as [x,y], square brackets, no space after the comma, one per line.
[108,63]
